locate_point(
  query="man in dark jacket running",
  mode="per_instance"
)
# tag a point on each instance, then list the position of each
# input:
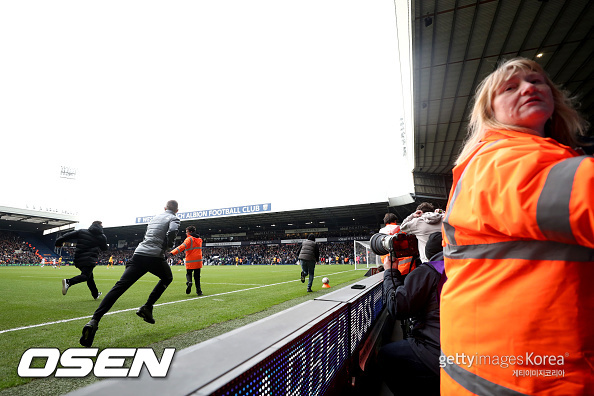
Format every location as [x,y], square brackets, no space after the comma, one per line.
[309,255]
[88,244]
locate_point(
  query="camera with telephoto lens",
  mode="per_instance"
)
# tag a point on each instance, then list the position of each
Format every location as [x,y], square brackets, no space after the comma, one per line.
[400,245]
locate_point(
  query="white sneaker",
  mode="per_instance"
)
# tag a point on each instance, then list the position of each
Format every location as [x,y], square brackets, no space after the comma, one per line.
[65,286]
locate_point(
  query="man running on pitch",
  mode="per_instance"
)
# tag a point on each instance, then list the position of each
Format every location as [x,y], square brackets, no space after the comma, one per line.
[149,256]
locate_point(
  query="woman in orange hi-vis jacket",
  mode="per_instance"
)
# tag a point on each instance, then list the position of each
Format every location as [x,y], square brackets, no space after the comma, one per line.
[517,310]
[193,248]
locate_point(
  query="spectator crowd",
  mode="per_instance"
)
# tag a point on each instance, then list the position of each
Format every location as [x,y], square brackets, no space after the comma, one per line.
[330,253]
[15,250]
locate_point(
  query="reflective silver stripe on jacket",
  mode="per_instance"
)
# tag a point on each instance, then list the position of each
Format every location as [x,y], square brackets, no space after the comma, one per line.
[192,247]
[552,209]
[475,384]
[552,216]
[522,250]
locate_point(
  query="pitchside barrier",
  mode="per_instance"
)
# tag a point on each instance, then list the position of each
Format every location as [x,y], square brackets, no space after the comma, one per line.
[314,348]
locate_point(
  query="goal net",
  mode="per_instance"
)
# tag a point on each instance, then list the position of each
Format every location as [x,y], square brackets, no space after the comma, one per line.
[364,256]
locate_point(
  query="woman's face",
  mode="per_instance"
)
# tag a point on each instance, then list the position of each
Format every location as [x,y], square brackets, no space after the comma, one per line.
[524,100]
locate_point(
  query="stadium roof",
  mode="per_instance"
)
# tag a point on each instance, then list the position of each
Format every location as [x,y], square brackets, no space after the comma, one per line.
[334,218]
[33,221]
[456,43]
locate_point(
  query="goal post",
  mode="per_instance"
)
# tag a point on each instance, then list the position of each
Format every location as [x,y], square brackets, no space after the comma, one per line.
[364,256]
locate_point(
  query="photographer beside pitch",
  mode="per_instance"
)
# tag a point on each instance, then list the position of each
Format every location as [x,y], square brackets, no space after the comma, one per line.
[88,244]
[149,256]
[405,264]
[411,366]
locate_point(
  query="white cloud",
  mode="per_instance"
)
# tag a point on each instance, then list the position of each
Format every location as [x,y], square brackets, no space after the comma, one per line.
[212,103]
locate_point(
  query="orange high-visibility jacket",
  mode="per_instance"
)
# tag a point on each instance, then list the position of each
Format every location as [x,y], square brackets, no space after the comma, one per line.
[405,264]
[193,248]
[517,310]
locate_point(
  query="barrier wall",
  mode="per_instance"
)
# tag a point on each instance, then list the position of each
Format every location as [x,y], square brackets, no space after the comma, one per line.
[305,350]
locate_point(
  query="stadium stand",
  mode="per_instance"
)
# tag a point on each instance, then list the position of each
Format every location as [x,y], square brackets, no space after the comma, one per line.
[261,254]
[15,250]
[44,250]
[29,249]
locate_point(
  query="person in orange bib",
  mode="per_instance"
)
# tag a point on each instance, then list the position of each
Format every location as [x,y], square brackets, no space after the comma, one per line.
[193,248]
[405,264]
[517,311]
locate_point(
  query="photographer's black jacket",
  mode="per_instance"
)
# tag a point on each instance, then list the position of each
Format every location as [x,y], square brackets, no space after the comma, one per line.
[417,298]
[88,243]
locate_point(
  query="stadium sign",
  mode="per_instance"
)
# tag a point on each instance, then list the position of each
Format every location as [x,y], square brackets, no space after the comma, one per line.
[78,362]
[202,214]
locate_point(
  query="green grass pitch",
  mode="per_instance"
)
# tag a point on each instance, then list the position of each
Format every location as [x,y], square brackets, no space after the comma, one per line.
[34,313]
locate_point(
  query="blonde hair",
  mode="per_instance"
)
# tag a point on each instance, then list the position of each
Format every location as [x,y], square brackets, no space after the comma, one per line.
[564,126]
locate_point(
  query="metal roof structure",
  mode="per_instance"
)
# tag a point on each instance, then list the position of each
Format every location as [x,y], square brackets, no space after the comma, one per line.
[26,220]
[334,218]
[456,43]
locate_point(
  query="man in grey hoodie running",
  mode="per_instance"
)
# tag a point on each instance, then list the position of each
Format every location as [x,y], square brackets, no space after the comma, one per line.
[149,256]
[424,222]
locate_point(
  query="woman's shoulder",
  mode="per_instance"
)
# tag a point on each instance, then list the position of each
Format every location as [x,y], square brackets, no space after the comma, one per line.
[514,146]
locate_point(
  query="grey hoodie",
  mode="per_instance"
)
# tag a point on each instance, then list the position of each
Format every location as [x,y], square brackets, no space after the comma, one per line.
[422,227]
[159,236]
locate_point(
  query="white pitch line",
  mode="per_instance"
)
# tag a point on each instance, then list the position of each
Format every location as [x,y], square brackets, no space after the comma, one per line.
[229,284]
[61,277]
[157,305]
